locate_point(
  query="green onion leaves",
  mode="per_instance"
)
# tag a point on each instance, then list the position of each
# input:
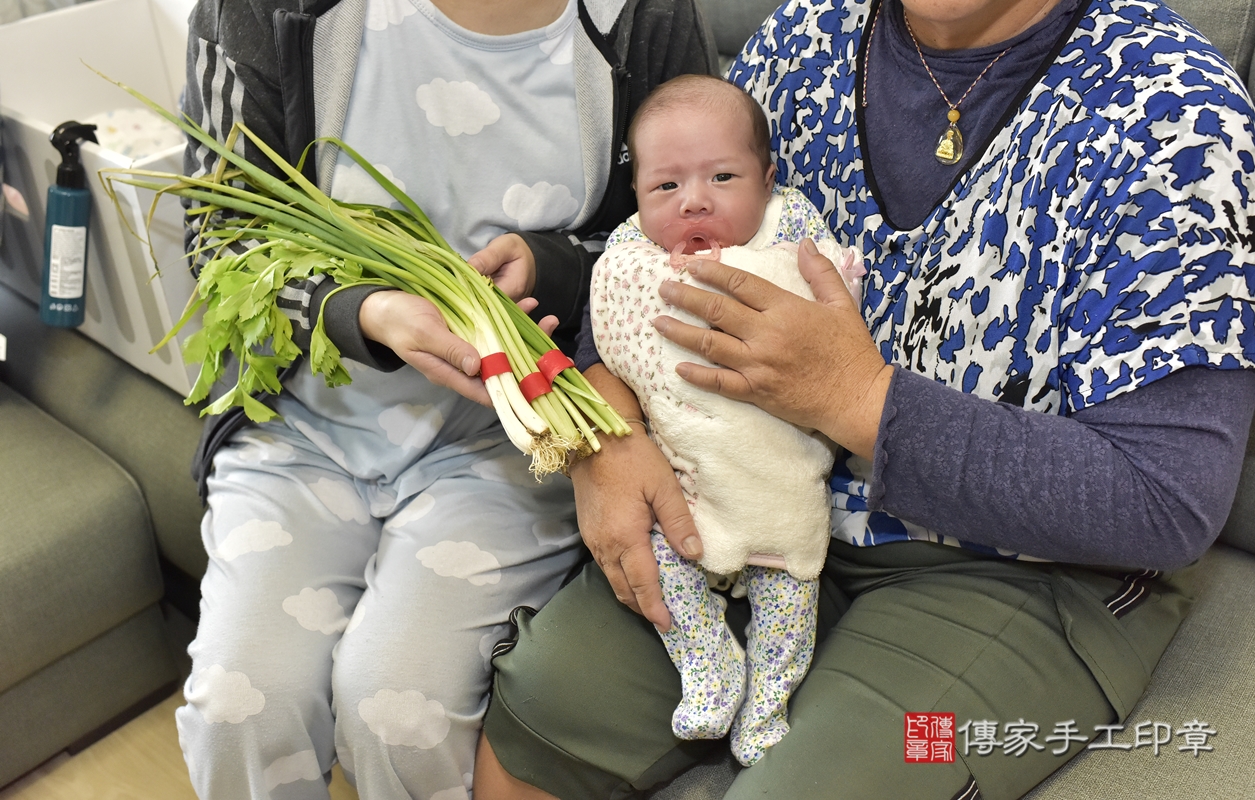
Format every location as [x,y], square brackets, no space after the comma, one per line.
[259,234]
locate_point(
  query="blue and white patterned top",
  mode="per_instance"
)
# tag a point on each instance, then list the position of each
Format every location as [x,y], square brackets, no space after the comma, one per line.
[1102,241]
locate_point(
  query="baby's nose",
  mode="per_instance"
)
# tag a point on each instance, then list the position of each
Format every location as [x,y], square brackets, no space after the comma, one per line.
[696,201]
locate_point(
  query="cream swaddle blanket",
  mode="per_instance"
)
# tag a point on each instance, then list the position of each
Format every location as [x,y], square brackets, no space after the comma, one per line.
[755,484]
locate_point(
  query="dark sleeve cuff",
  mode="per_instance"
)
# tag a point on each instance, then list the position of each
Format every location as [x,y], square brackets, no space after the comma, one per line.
[586,354]
[562,274]
[344,330]
[880,458]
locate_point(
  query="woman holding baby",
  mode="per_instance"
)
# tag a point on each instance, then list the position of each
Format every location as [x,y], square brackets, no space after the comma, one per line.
[1042,399]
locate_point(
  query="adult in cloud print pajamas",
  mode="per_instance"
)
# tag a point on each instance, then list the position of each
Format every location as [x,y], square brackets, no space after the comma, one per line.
[366,550]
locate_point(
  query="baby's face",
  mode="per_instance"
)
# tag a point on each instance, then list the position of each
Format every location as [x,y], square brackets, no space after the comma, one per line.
[698,180]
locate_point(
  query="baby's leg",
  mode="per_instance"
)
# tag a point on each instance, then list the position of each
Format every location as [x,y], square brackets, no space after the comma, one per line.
[781,641]
[710,660]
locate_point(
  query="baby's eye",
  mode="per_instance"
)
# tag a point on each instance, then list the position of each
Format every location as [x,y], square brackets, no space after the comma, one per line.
[669,186]
[723,177]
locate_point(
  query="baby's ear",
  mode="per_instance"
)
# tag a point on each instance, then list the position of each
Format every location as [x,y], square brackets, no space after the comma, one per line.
[769,178]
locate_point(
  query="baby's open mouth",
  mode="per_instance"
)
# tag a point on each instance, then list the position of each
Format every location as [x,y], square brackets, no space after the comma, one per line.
[698,242]
[697,235]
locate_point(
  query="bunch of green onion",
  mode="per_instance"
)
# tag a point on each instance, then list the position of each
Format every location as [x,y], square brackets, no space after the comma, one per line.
[290,230]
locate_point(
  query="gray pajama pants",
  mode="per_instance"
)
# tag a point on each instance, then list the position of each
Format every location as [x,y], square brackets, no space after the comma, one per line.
[363,562]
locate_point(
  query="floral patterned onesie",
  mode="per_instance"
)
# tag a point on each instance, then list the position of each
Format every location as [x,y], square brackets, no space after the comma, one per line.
[756,485]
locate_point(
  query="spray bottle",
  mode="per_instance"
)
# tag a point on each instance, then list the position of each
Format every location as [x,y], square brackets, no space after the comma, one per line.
[65,233]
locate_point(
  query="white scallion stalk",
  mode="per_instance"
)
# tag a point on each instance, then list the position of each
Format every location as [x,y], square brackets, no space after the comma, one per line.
[519,435]
[487,344]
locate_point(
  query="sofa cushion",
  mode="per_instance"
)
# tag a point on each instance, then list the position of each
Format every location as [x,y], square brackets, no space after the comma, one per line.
[732,22]
[140,423]
[82,695]
[76,549]
[1206,675]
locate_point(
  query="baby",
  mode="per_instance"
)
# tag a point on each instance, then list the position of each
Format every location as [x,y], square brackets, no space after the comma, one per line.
[756,485]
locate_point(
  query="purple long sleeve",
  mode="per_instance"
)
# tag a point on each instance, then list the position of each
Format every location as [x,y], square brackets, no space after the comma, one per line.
[1145,479]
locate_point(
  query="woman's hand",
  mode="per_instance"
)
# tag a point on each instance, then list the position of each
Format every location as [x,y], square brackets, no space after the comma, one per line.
[620,493]
[414,330]
[510,263]
[811,363]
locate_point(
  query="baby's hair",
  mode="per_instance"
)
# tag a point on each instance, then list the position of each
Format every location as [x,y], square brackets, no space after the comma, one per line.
[703,92]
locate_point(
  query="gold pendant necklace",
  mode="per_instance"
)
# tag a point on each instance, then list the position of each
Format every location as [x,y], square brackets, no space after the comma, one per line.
[949,150]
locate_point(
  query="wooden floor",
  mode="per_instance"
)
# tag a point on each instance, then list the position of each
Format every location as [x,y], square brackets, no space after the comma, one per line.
[140,761]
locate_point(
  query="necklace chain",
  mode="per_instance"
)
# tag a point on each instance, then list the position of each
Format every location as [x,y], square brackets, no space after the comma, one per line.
[949,150]
[953,106]
[867,52]
[924,61]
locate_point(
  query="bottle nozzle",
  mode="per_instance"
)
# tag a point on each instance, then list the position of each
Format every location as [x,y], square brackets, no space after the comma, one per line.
[65,138]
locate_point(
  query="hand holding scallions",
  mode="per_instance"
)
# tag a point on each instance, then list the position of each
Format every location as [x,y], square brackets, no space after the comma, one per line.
[414,329]
[259,233]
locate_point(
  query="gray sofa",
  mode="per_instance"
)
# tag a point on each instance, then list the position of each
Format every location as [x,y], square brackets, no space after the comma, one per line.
[100,554]
[99,520]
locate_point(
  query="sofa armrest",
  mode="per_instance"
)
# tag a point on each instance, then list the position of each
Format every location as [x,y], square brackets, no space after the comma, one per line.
[139,423]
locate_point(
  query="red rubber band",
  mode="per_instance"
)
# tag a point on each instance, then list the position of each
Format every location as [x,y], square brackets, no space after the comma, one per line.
[534,386]
[553,362]
[493,364]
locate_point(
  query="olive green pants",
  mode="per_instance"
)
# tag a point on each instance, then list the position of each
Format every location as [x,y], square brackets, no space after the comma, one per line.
[582,704]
